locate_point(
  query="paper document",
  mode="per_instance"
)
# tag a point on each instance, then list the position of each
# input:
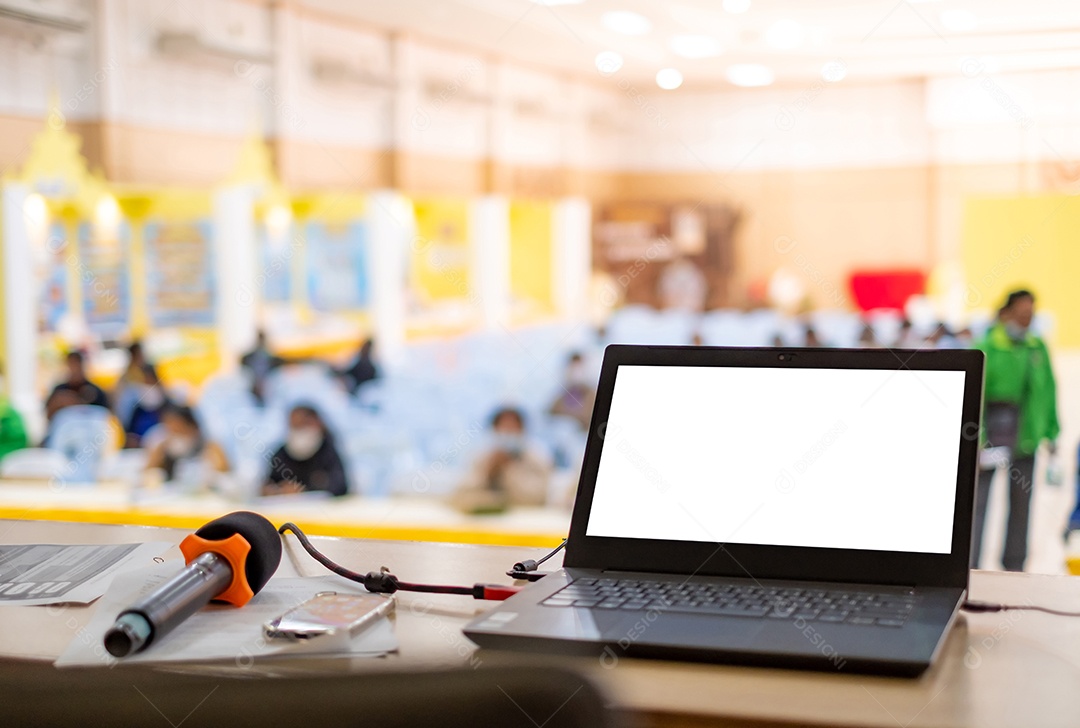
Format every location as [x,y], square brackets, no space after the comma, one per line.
[36,574]
[223,632]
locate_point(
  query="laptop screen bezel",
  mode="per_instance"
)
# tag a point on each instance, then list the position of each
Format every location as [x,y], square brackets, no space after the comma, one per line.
[783,562]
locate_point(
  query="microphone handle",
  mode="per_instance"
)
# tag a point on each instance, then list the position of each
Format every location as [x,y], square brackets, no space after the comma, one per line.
[159,612]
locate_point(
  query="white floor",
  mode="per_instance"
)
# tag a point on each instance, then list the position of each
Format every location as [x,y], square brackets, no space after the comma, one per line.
[1051,505]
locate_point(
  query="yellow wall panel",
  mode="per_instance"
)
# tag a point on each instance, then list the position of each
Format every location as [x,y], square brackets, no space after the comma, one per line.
[439,266]
[530,254]
[1028,242]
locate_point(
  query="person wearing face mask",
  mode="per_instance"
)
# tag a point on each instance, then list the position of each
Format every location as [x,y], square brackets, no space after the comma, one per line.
[577,396]
[149,401]
[509,473]
[308,460]
[184,446]
[132,385]
[1020,412]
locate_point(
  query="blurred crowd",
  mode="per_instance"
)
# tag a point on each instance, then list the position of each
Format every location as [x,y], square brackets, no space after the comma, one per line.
[512,463]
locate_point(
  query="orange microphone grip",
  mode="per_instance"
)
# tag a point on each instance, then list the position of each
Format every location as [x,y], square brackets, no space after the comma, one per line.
[235,550]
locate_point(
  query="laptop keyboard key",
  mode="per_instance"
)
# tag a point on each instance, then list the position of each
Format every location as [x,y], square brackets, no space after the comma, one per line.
[741,600]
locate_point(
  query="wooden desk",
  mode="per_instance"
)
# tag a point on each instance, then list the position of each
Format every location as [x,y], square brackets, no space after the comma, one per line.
[1007,669]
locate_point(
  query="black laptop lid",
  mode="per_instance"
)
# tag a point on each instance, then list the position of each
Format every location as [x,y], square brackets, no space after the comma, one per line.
[821,464]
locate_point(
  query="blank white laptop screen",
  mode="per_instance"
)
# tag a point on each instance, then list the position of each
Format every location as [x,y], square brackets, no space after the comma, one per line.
[829,458]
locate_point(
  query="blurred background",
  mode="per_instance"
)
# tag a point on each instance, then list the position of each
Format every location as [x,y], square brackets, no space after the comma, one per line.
[422,222]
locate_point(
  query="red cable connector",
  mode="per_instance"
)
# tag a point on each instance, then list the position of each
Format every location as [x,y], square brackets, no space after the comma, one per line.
[494,592]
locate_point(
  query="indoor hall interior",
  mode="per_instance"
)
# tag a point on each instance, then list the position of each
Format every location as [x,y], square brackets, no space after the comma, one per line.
[359,261]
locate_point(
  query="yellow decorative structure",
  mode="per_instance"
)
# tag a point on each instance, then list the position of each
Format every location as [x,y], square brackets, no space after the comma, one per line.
[63,194]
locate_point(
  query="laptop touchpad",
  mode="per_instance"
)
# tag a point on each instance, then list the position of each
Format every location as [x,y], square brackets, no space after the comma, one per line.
[704,630]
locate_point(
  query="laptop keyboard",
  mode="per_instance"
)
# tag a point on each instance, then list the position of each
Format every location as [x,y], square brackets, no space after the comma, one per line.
[739,600]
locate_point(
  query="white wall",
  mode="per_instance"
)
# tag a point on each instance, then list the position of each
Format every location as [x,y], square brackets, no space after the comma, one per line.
[230,67]
[975,117]
[227,66]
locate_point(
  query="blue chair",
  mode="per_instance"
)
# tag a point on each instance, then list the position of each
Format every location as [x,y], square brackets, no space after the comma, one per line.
[85,435]
[33,463]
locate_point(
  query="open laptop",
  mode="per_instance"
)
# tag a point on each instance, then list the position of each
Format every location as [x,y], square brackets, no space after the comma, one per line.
[804,508]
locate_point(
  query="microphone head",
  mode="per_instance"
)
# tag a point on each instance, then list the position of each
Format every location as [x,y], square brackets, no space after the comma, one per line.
[265,555]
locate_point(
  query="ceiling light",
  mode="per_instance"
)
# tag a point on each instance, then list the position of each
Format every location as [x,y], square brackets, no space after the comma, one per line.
[549,3]
[784,35]
[668,79]
[626,22]
[750,75]
[608,62]
[958,20]
[695,46]
[735,7]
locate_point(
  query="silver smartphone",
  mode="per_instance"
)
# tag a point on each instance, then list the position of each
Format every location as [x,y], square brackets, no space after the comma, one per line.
[329,613]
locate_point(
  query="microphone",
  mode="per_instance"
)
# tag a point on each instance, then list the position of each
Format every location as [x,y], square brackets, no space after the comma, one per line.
[229,559]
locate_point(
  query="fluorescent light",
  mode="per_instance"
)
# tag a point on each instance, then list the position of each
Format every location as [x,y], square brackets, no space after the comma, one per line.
[695,46]
[785,34]
[736,7]
[958,20]
[626,22]
[834,70]
[750,75]
[668,79]
[608,62]
[549,3]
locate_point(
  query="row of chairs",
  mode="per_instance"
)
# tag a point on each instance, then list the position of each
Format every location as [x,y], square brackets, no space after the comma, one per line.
[415,428]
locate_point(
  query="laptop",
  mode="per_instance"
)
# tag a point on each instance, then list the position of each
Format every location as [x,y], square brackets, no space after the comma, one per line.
[804,508]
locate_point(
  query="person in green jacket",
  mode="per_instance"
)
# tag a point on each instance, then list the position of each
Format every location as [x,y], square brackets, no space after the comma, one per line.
[1019,413]
[12,429]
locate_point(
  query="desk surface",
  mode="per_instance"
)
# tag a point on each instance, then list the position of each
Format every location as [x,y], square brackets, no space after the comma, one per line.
[1006,669]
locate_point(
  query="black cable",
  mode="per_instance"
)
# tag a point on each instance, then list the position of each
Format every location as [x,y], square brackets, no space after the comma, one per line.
[986,607]
[533,565]
[379,582]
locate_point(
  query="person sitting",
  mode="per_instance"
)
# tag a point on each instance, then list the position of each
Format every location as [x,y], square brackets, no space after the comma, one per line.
[308,460]
[130,387]
[149,402]
[578,395]
[184,449]
[57,401]
[363,368]
[509,473]
[76,381]
[260,362]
